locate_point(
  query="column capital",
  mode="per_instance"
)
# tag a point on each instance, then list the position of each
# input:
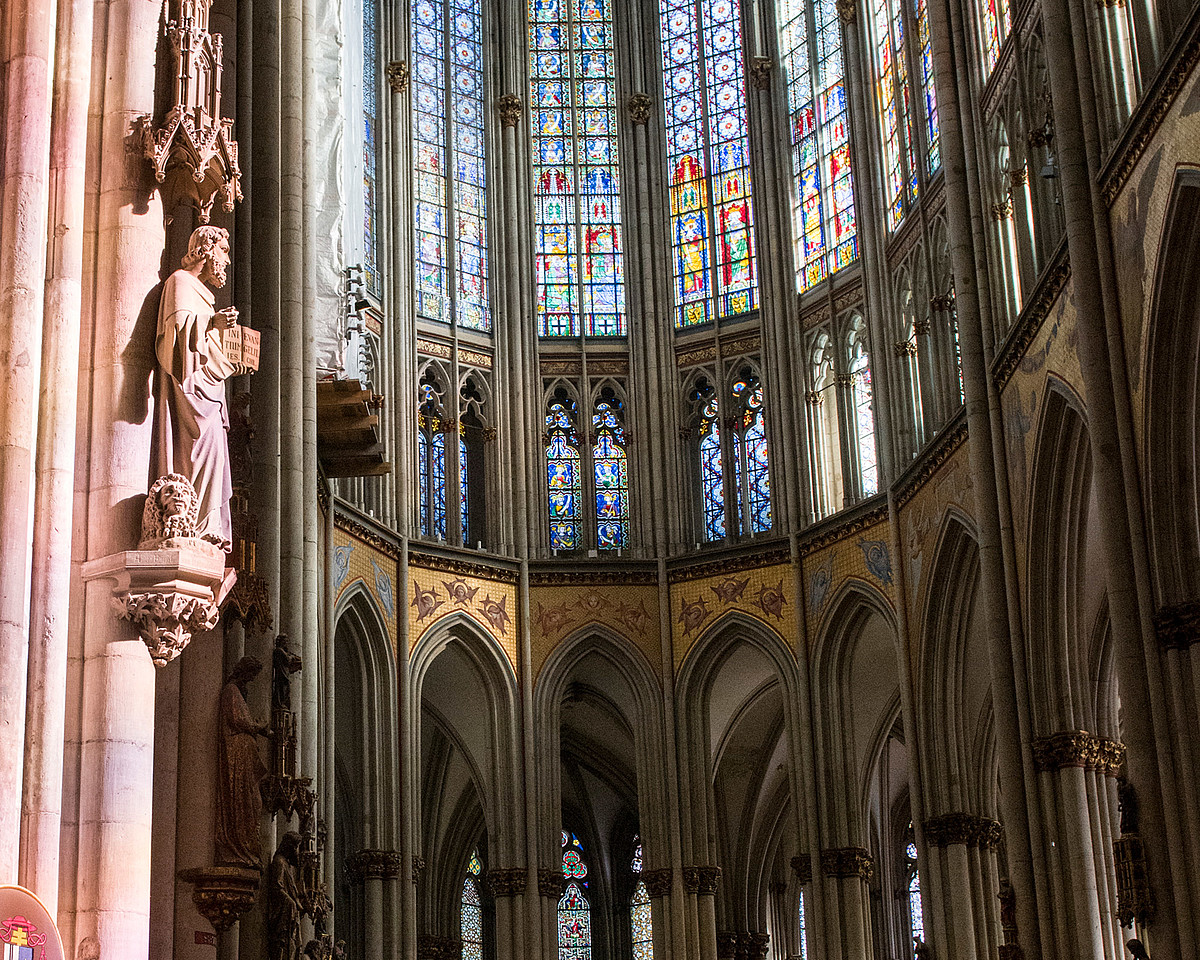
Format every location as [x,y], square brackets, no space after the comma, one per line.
[759,69]
[846,10]
[506,881]
[639,105]
[948,829]
[551,882]
[1178,625]
[802,867]
[418,867]
[397,74]
[701,879]
[381,864]
[1078,748]
[847,862]
[658,882]
[509,106]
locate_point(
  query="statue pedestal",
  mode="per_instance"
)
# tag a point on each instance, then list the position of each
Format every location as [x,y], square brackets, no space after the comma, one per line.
[169,594]
[223,894]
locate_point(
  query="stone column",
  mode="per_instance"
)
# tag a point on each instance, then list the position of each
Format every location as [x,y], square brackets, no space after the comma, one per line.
[850,869]
[658,885]
[704,880]
[373,868]
[26,112]
[955,835]
[551,884]
[508,885]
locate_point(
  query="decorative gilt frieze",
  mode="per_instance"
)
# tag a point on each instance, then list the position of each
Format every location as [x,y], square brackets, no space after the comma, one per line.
[847,862]
[433,348]
[1078,748]
[473,358]
[759,70]
[658,882]
[802,867]
[381,864]
[397,75]
[1178,625]
[509,107]
[192,150]
[506,881]
[639,105]
[551,882]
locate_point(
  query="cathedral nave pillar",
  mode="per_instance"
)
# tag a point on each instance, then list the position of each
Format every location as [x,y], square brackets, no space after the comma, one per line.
[507,885]
[848,872]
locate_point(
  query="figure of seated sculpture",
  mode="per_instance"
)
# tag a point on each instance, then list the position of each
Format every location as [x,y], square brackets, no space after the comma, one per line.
[170,515]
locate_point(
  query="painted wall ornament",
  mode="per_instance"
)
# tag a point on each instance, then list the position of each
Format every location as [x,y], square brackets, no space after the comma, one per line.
[426,602]
[341,564]
[878,559]
[693,614]
[730,590]
[822,579]
[191,415]
[383,585]
[771,600]
[494,612]
[460,592]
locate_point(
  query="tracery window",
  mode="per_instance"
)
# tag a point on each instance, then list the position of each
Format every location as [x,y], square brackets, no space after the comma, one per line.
[752,472]
[611,469]
[916,913]
[826,232]
[862,402]
[641,927]
[451,179]
[471,919]
[574,911]
[577,202]
[895,109]
[370,100]
[431,460]
[997,21]
[709,459]
[933,139]
[825,457]
[708,156]
[563,473]
[451,437]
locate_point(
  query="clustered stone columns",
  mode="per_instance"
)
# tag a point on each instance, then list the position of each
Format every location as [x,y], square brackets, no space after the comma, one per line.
[742,945]
[375,870]
[700,882]
[960,872]
[849,870]
[658,886]
[507,886]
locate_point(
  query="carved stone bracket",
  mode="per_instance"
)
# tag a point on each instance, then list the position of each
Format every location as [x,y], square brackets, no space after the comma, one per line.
[222,894]
[1178,626]
[551,882]
[639,108]
[168,594]
[658,882]
[1078,748]
[380,864]
[397,74]
[802,867]
[847,862]
[509,106]
[506,881]
[965,828]
[759,69]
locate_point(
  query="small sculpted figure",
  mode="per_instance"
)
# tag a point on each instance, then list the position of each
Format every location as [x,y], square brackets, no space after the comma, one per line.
[283,664]
[283,905]
[239,797]
[170,512]
[191,415]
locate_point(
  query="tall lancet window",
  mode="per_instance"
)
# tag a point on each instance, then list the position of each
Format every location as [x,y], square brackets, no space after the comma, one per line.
[451,182]
[751,467]
[933,140]
[577,200]
[706,431]
[431,460]
[916,913]
[826,232]
[997,21]
[563,473]
[574,911]
[712,218]
[610,466]
[895,109]
[471,917]
[641,929]
[370,99]
[863,404]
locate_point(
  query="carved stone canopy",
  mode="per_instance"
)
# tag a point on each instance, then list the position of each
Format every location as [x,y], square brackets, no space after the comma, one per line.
[168,594]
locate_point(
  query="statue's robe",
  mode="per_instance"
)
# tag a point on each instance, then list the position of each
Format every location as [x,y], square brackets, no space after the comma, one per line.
[192,435]
[241,772]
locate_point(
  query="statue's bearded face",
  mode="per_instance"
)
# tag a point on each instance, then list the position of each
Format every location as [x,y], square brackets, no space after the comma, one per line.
[218,260]
[172,500]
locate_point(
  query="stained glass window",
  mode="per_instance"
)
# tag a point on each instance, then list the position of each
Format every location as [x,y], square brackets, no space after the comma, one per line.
[916,913]
[823,206]
[803,930]
[754,502]
[641,925]
[471,923]
[895,109]
[864,418]
[708,155]
[574,912]
[370,98]
[577,202]
[824,425]
[431,454]
[712,475]
[611,468]
[563,475]
[925,52]
[996,24]
[463,487]
[451,183]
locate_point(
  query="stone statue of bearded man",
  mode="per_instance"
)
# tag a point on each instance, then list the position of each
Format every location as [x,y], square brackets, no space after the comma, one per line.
[192,418]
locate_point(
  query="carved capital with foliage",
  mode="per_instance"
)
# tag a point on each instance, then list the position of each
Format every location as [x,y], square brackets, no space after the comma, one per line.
[509,106]
[506,881]
[847,862]
[1078,748]
[759,70]
[222,894]
[802,867]
[551,882]
[379,864]
[658,882]
[639,105]
[1178,625]
[398,74]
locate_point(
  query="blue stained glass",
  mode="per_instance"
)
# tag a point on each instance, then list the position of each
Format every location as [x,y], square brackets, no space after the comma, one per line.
[712,475]
[577,210]
[423,471]
[864,418]
[612,478]
[931,111]
[563,478]
[451,188]
[437,477]
[754,501]
[431,468]
[574,911]
[370,97]
[826,238]
[803,930]
[463,486]
[471,920]
[708,160]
